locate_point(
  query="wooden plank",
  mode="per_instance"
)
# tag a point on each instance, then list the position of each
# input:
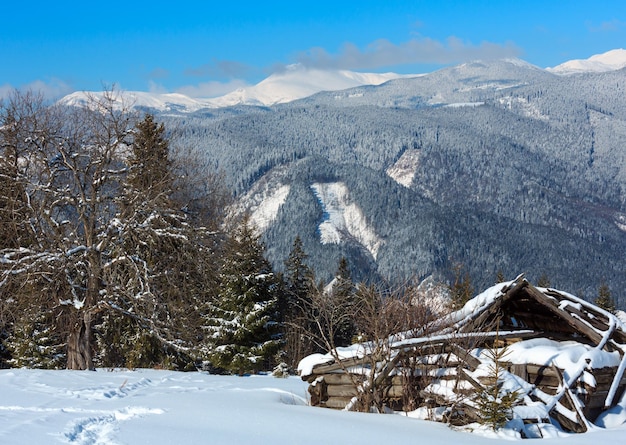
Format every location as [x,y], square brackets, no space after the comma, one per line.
[604,379]
[337,402]
[465,376]
[471,361]
[598,321]
[596,400]
[577,324]
[520,370]
[338,366]
[394,391]
[541,370]
[341,391]
[342,378]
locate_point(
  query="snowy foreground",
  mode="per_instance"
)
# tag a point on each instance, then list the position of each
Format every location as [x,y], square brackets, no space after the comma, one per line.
[163,407]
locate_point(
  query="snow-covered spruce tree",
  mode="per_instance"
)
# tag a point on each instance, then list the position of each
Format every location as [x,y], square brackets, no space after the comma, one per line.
[37,344]
[244,324]
[161,269]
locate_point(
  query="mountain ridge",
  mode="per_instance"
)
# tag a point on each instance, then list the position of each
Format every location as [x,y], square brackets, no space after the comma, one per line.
[297,82]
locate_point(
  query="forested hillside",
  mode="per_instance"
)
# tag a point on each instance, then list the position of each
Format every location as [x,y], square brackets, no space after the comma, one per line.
[209,239]
[498,166]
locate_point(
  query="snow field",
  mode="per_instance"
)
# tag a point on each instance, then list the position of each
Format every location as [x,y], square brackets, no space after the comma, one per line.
[166,407]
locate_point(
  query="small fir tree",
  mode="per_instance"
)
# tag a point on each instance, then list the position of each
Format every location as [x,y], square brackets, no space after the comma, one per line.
[244,322]
[500,277]
[495,403]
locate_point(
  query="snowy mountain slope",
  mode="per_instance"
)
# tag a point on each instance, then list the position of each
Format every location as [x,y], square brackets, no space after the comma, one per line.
[403,170]
[500,165]
[297,82]
[599,63]
[464,84]
[139,99]
[343,218]
[264,200]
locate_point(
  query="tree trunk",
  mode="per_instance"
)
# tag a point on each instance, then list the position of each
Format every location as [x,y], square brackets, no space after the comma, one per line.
[79,354]
[79,342]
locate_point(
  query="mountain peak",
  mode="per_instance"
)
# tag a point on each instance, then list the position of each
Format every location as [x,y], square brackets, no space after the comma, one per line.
[599,63]
[297,81]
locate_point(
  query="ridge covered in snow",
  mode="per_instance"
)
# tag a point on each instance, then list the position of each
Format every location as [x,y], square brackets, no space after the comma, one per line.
[130,99]
[295,82]
[599,63]
[298,82]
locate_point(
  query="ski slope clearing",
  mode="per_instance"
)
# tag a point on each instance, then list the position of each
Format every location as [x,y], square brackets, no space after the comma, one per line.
[165,407]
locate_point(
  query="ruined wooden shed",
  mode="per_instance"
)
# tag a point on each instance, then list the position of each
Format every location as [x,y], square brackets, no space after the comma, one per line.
[567,356]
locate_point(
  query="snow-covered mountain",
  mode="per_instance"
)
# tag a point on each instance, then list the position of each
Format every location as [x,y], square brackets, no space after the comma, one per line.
[297,82]
[600,63]
[142,99]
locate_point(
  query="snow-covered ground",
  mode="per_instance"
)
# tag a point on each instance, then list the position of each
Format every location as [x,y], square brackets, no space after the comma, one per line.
[165,407]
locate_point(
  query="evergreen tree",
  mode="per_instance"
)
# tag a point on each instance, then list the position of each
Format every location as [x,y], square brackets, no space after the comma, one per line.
[343,292]
[37,343]
[461,289]
[244,321]
[299,281]
[543,281]
[495,403]
[500,277]
[604,299]
[162,269]
[149,165]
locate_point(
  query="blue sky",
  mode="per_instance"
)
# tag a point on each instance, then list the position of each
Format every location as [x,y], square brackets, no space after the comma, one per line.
[209,48]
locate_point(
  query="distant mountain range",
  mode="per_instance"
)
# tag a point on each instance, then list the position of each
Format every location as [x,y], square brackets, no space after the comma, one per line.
[294,82]
[495,165]
[297,82]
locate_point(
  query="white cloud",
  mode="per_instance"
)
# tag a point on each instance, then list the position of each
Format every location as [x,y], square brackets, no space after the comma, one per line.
[5,91]
[154,87]
[212,88]
[383,53]
[52,89]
